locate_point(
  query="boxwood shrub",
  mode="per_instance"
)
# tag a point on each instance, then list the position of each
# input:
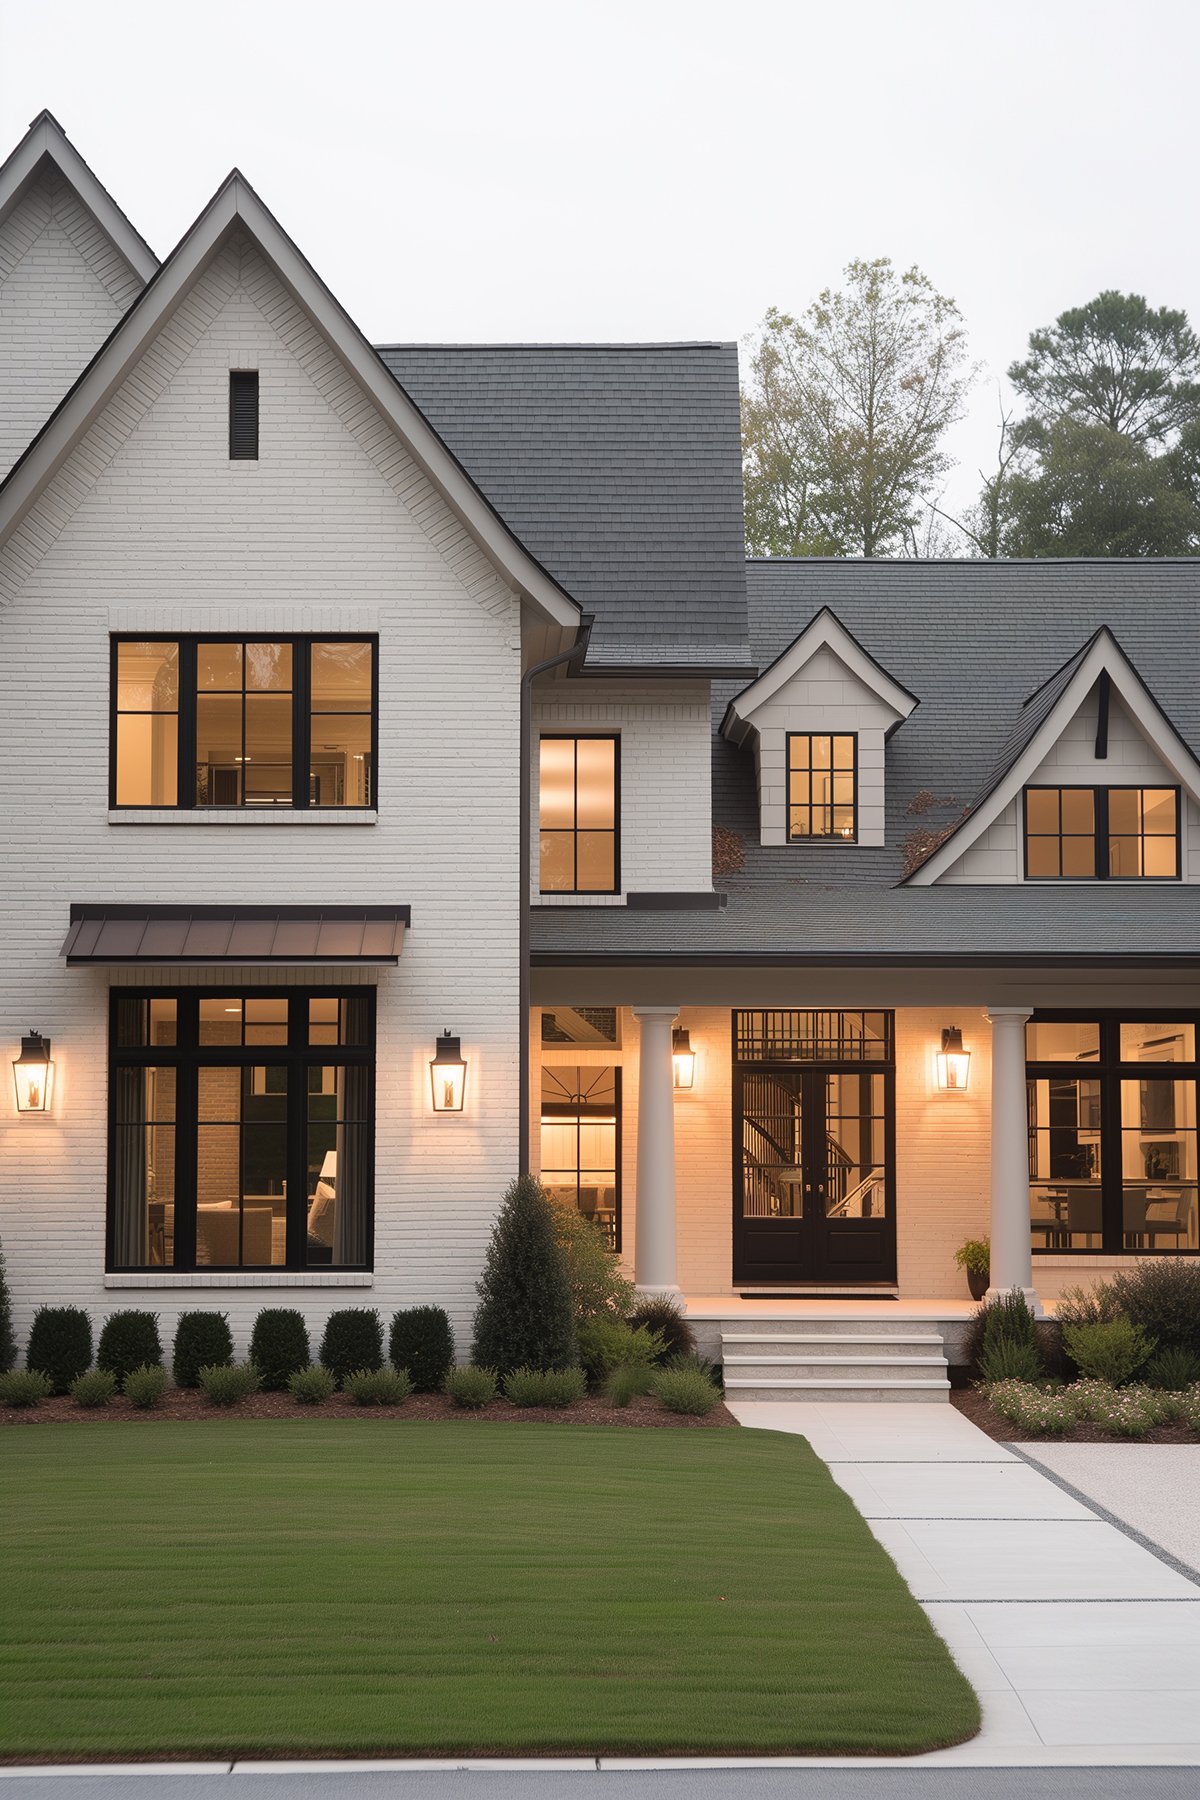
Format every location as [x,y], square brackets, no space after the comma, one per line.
[60,1345]
[202,1340]
[24,1387]
[421,1342]
[225,1384]
[471,1387]
[279,1345]
[378,1387]
[353,1340]
[145,1387]
[95,1389]
[127,1341]
[312,1386]
[660,1313]
[545,1387]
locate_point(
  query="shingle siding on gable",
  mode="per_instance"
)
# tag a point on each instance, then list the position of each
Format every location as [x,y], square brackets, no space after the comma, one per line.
[149,526]
[62,289]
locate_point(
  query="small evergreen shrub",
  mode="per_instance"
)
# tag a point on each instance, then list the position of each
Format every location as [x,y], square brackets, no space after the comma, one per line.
[145,1387]
[279,1346]
[628,1381]
[685,1391]
[312,1386]
[1111,1352]
[95,1389]
[353,1340]
[545,1387]
[226,1384]
[662,1313]
[1162,1295]
[606,1344]
[8,1343]
[1173,1370]
[526,1312]
[472,1387]
[25,1387]
[202,1340]
[1009,1347]
[422,1342]
[127,1340]
[1033,1409]
[60,1345]
[378,1387]
[1008,1360]
[599,1286]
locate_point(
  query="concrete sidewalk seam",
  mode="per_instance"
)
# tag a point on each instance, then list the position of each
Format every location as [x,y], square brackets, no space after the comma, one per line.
[1108,1518]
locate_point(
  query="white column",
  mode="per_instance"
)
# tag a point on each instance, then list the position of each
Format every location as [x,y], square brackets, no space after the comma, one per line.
[654,1252]
[1011,1263]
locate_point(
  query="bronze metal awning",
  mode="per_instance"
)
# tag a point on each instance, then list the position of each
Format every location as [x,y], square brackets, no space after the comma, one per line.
[213,935]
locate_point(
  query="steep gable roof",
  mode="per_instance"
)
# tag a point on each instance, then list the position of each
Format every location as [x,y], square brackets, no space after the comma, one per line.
[46,139]
[825,632]
[620,466]
[1043,716]
[236,205]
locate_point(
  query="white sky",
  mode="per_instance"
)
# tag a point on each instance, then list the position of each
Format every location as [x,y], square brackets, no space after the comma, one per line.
[574,170]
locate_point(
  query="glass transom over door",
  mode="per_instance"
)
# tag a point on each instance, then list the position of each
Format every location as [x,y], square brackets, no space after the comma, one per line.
[813,1148]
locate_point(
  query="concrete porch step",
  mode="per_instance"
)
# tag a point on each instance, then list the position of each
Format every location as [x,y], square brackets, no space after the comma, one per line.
[834,1368]
[847,1326]
[802,1343]
[814,1393]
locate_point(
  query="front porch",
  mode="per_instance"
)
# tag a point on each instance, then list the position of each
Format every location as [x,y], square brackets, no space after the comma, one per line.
[850,1198]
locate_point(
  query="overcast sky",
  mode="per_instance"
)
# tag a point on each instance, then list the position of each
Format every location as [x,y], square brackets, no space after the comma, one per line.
[574,170]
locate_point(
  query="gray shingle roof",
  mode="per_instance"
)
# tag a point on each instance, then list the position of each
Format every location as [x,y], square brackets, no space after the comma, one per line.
[619,468]
[974,642]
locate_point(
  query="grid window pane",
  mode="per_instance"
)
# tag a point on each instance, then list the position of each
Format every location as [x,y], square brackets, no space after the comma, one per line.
[1078,811]
[579,1135]
[577,815]
[147,724]
[1062,1041]
[340,766]
[821,785]
[1136,831]
[1158,1040]
[1065,1194]
[219,668]
[595,865]
[342,677]
[269,667]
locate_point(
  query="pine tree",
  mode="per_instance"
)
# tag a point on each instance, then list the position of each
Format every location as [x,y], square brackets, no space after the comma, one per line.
[526,1313]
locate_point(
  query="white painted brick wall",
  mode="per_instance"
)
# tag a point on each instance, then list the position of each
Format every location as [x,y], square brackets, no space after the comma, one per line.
[63,286]
[665,730]
[150,523]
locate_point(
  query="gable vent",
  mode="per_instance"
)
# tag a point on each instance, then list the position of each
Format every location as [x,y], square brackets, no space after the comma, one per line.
[243,415]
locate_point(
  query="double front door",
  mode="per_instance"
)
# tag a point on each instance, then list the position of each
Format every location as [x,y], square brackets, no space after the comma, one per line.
[813,1174]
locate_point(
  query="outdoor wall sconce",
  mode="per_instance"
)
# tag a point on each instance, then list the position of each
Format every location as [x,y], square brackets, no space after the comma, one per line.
[953,1063]
[448,1076]
[683,1057]
[33,1073]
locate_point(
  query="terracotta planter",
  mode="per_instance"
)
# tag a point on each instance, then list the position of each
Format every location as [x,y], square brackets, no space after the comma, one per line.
[977,1284]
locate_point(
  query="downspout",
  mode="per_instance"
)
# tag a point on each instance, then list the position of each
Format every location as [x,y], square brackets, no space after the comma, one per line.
[575,654]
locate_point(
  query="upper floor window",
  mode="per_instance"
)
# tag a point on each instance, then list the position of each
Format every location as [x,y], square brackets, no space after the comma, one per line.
[199,722]
[243,415]
[822,773]
[578,798]
[1097,834]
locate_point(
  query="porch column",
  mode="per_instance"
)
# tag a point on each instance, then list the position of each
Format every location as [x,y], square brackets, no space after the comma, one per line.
[1011,1258]
[654,1252]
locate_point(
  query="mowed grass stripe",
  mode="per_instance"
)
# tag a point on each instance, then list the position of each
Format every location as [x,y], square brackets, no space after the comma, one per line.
[232,1588]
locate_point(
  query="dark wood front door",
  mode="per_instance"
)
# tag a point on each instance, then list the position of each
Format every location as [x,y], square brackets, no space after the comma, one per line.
[813,1156]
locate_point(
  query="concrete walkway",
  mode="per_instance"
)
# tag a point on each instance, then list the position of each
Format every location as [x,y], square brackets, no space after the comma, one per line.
[1082,1643]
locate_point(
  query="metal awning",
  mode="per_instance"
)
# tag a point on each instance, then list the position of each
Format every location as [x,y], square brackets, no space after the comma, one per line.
[213,935]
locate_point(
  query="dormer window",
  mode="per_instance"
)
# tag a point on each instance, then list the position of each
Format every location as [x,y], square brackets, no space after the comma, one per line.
[1101,834]
[822,785]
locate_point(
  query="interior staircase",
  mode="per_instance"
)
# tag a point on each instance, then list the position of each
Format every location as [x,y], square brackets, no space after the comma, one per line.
[841,1358]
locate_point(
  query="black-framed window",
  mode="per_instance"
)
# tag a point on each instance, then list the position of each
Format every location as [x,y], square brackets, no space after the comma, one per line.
[581,1141]
[231,721]
[579,814]
[1112,1125]
[241,1128]
[1102,833]
[822,775]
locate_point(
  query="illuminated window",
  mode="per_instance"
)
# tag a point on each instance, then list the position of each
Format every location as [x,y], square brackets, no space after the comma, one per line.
[822,785]
[1098,834]
[243,722]
[581,1142]
[578,815]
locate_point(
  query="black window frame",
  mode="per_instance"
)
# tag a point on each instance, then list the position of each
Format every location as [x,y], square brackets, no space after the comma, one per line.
[822,837]
[573,831]
[566,1112]
[187,1056]
[301,647]
[1100,827]
[1109,1071]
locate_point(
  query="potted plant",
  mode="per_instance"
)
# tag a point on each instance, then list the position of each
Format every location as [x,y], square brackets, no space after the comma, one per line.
[974,1256]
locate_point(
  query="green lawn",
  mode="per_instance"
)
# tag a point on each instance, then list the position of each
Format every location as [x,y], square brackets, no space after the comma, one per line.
[346,1586]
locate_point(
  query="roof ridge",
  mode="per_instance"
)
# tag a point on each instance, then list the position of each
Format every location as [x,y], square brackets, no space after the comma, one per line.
[646,344]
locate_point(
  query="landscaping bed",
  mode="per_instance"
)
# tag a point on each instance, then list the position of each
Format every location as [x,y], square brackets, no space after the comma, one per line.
[976,1407]
[453,1589]
[190,1403]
